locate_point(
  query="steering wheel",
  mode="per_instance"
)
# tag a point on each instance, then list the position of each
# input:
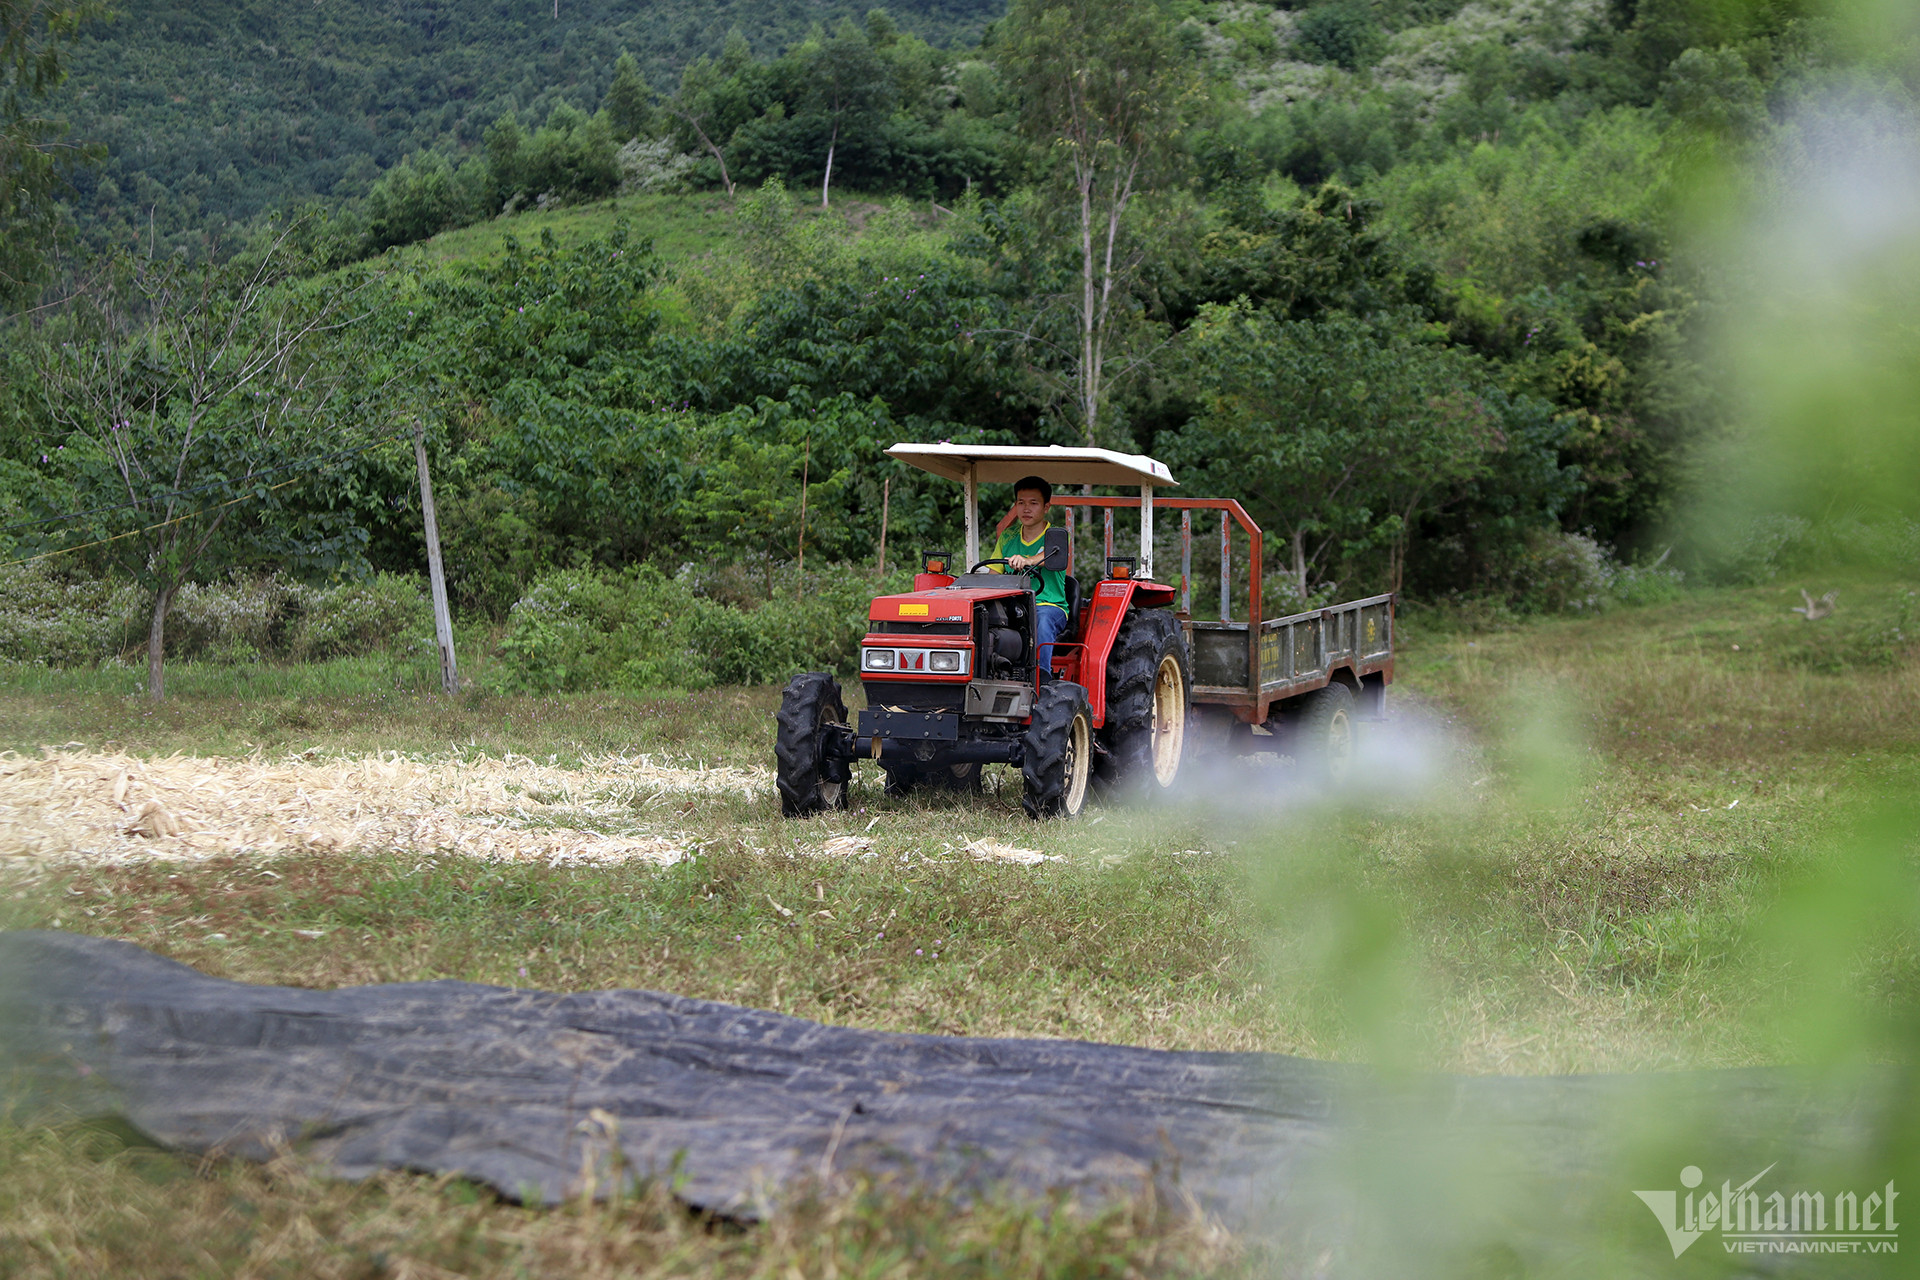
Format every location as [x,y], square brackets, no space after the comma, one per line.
[1025,568]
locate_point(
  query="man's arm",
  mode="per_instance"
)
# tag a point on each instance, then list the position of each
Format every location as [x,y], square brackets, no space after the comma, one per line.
[999,550]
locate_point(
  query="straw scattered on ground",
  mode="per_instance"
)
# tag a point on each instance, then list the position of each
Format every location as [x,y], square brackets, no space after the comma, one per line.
[74,806]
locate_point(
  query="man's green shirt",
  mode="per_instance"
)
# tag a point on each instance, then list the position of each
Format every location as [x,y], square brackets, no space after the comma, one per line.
[1053,582]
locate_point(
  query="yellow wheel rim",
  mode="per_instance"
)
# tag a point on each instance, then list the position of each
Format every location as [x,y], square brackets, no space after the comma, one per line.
[1078,761]
[1169,720]
[1339,744]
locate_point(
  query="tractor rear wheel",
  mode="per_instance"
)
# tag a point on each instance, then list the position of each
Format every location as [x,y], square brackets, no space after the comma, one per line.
[1147,706]
[1058,752]
[809,780]
[1323,738]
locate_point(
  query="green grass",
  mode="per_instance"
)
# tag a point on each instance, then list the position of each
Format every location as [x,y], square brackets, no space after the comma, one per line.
[1591,880]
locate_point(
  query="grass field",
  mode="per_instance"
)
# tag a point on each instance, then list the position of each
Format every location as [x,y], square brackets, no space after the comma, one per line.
[1564,854]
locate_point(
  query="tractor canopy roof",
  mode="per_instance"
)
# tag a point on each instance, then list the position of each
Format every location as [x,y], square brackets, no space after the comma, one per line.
[1056,464]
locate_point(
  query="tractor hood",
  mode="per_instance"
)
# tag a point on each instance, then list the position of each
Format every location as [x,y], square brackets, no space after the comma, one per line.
[942,604]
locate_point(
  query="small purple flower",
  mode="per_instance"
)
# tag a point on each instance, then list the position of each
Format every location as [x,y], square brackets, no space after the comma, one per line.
[917,951]
[736,937]
[523,971]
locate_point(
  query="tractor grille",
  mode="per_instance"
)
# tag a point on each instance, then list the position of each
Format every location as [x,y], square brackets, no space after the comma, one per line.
[915,697]
[920,628]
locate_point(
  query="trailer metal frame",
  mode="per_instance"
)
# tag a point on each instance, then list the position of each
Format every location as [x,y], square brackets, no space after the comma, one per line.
[1249,666]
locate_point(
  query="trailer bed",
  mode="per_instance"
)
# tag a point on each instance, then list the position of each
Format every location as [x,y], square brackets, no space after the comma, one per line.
[1295,654]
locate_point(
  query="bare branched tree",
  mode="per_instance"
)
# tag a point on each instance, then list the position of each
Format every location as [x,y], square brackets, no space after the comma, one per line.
[1104,88]
[181,389]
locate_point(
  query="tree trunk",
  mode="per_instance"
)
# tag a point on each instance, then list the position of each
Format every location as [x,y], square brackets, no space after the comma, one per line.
[832,142]
[718,155]
[1089,379]
[157,645]
[1300,563]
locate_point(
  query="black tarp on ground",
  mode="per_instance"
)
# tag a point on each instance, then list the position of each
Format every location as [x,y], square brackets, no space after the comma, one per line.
[516,1088]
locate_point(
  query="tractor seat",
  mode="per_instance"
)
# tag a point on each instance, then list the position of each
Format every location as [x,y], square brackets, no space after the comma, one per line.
[1073,609]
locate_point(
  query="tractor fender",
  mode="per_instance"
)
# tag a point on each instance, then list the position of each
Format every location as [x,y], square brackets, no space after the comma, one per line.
[1100,620]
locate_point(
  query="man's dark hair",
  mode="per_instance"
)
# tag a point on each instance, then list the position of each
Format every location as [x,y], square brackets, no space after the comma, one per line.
[1034,482]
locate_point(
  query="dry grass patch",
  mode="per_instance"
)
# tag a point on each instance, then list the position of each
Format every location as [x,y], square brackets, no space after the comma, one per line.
[71,806]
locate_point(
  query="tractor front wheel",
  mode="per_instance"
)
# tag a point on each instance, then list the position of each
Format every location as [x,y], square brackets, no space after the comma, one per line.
[809,780]
[1147,705]
[1057,753]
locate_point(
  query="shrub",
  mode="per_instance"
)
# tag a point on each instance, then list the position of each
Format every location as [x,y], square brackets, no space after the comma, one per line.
[239,620]
[55,618]
[649,167]
[385,612]
[1560,572]
[1756,551]
[61,619]
[640,629]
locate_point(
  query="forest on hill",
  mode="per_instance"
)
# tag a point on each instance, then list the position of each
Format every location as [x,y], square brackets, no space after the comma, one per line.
[212,113]
[1415,279]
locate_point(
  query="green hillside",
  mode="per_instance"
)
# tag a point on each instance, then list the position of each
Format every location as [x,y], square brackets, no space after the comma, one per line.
[212,112]
[1415,279]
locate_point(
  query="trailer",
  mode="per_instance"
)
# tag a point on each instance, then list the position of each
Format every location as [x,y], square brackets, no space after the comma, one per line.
[1255,672]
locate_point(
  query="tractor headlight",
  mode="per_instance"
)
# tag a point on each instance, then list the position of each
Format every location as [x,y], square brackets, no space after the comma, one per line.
[948,660]
[877,660]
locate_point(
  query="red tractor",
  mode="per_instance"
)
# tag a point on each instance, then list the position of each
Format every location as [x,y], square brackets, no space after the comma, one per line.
[952,683]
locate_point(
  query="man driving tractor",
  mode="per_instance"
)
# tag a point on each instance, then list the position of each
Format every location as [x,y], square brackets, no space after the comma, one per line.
[1022,544]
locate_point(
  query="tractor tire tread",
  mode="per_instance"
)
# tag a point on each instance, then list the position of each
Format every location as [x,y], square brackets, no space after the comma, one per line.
[1131,668]
[1043,793]
[802,769]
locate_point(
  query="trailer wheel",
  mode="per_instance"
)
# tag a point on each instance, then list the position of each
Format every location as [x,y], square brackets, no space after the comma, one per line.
[1148,704]
[1058,753]
[809,780]
[1323,740]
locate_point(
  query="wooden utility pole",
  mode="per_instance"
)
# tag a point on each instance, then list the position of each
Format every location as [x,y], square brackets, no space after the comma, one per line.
[442,618]
[805,466]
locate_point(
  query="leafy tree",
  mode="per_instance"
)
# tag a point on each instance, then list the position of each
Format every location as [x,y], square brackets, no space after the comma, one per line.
[572,157]
[33,35]
[1323,253]
[503,144]
[847,86]
[1340,433]
[925,341]
[628,103]
[1103,88]
[417,198]
[181,391]
[1345,33]
[757,478]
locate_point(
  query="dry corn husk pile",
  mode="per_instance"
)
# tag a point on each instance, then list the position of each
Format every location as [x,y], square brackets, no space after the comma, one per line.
[85,807]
